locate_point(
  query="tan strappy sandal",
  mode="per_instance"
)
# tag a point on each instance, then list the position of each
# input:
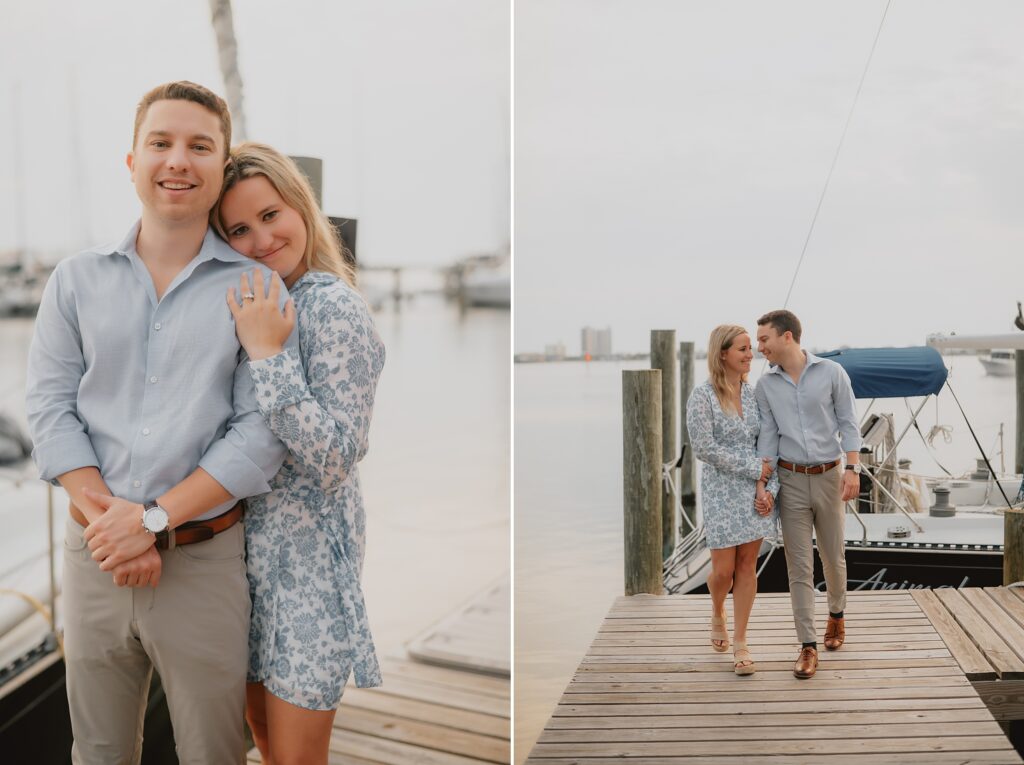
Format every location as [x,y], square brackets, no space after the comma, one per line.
[741,655]
[719,632]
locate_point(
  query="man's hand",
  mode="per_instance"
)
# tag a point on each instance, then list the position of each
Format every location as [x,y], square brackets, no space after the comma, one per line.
[763,500]
[139,572]
[851,485]
[116,536]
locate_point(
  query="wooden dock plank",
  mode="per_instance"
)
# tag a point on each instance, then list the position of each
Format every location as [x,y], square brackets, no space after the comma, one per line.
[794,746]
[651,690]
[1005,626]
[1006,664]
[810,731]
[967,654]
[894,758]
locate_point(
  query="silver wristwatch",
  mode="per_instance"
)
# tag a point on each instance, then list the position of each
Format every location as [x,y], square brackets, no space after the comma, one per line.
[155,519]
[855,468]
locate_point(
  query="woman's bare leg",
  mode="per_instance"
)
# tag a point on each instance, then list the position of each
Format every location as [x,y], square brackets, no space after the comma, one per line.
[745,587]
[256,716]
[720,580]
[297,736]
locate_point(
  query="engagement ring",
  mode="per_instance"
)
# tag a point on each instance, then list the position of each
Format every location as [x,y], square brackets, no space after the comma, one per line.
[248,296]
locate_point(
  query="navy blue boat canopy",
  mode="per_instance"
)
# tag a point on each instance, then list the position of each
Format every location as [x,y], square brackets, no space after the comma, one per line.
[891,372]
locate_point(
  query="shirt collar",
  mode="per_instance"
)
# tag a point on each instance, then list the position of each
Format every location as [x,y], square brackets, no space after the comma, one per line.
[213,247]
[775,369]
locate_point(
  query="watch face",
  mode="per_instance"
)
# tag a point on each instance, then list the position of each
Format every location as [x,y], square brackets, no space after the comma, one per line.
[155,519]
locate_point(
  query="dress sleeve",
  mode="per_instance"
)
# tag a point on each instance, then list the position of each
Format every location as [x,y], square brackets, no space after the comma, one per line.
[322,413]
[700,425]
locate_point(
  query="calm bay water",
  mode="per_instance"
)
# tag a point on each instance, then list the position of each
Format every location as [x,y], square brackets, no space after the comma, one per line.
[568,489]
[436,478]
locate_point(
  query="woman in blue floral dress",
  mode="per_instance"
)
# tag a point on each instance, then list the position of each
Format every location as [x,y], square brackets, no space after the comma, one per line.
[305,539]
[738,488]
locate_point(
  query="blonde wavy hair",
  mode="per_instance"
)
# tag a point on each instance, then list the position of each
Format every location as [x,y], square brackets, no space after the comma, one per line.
[721,339]
[323,248]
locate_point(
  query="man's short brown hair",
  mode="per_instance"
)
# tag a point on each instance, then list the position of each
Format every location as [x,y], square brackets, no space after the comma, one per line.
[782,321]
[183,90]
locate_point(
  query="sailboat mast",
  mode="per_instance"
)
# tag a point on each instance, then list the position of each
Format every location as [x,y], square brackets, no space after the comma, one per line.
[227,50]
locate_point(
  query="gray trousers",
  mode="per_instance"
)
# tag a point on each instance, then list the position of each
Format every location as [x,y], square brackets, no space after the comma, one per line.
[193,627]
[810,506]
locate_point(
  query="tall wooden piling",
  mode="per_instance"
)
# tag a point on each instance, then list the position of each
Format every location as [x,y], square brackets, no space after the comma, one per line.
[687,488]
[663,358]
[1019,446]
[641,480]
[1013,546]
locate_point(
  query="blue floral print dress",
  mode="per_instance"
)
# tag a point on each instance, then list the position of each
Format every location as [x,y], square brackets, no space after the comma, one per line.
[727,445]
[305,539]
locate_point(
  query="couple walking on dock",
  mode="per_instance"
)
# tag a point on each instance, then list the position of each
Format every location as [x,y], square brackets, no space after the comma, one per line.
[774,453]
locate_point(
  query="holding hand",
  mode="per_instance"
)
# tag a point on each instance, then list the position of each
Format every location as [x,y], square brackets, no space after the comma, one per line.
[766,469]
[117,535]
[763,500]
[851,485]
[261,326]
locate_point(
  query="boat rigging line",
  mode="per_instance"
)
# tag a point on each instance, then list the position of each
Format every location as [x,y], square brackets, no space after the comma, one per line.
[992,472]
[835,158]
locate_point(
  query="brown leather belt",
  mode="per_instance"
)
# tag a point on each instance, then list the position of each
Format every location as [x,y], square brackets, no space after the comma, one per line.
[187,533]
[809,469]
[199,531]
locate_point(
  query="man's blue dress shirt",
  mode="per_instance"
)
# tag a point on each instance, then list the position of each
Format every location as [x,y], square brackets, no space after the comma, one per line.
[811,421]
[147,390]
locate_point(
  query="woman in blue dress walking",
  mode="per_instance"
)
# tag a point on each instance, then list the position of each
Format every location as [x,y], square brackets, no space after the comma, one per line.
[738,488]
[305,539]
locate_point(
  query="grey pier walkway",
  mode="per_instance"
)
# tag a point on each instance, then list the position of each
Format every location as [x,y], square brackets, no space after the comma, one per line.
[651,691]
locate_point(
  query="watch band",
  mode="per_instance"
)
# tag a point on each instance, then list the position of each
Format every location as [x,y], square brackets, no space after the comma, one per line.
[164,539]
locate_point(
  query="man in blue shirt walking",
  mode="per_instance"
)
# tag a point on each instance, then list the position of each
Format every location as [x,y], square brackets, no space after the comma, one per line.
[808,419]
[141,406]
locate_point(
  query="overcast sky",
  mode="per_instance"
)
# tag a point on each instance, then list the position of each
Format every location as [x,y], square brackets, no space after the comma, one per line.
[670,155]
[406,102]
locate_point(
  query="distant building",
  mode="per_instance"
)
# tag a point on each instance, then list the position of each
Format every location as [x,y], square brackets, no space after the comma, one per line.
[554,352]
[596,343]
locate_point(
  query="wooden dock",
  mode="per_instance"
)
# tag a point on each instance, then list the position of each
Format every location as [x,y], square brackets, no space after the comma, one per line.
[984,631]
[651,691]
[425,715]
[475,636]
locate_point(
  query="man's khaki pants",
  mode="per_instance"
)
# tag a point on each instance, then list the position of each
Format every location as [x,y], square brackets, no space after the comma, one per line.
[193,627]
[810,506]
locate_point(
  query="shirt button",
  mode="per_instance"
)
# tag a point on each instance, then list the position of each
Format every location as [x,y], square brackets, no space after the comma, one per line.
[145,431]
[157,326]
[152,379]
[136,484]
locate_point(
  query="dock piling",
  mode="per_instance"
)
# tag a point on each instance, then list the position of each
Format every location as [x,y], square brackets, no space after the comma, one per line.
[1013,546]
[641,480]
[1018,462]
[687,491]
[663,358]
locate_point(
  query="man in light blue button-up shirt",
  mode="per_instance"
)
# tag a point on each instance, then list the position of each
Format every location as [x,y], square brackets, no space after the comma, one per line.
[808,420]
[139,393]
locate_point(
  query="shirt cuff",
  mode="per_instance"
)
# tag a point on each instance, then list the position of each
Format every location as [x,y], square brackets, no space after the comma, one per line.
[233,470]
[62,454]
[850,443]
[280,381]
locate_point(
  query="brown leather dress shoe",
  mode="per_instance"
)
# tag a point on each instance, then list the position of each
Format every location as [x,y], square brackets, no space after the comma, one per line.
[806,663]
[835,633]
